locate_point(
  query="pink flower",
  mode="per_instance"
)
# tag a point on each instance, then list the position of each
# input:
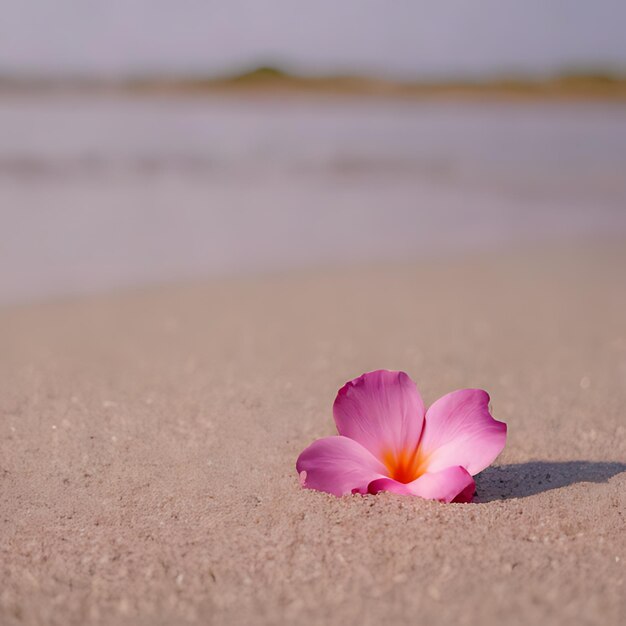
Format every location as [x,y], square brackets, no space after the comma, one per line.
[387,442]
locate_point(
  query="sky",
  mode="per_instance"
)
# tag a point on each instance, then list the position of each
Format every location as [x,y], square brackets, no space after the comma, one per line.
[399,38]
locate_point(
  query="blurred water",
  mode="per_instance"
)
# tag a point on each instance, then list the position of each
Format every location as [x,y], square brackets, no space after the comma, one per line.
[101,192]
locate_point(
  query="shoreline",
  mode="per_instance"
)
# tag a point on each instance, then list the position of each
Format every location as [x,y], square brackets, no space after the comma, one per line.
[517,252]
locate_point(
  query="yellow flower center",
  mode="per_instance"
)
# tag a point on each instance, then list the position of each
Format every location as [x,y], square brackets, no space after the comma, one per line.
[406,465]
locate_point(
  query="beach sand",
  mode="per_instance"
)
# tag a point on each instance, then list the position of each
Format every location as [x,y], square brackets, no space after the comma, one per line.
[149,439]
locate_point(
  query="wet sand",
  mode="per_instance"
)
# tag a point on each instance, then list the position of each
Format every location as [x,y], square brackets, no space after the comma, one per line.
[148,442]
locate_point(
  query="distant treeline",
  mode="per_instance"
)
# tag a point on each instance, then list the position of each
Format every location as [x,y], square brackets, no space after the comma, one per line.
[574,83]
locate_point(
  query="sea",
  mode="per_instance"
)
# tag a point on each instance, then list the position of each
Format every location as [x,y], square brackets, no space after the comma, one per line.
[106,191]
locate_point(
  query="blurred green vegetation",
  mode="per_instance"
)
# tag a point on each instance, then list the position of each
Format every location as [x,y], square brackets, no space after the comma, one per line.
[572,82]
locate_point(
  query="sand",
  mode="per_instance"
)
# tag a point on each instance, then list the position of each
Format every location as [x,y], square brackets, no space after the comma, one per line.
[149,440]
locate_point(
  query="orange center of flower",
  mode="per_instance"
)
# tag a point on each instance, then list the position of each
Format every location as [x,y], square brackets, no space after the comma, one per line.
[406,465]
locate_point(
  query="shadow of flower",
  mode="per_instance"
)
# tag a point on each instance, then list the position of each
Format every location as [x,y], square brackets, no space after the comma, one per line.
[521,480]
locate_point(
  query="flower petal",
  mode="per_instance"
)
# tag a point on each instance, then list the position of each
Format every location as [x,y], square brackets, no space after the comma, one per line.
[383,411]
[338,465]
[459,430]
[390,485]
[451,484]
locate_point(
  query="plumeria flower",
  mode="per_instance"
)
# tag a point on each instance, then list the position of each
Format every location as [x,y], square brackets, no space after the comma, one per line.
[387,442]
